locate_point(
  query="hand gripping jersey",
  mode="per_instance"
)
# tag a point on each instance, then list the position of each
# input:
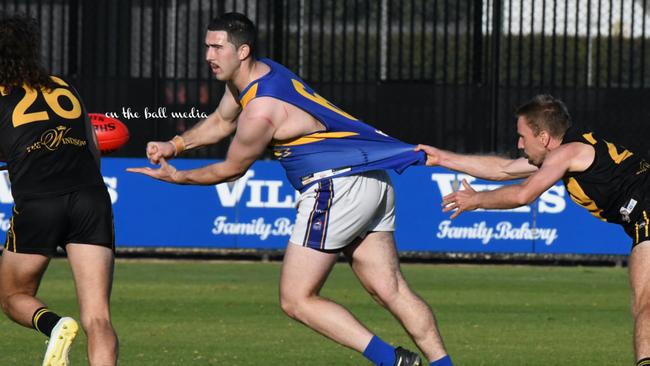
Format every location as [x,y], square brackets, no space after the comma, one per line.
[43,135]
[346,146]
[614,184]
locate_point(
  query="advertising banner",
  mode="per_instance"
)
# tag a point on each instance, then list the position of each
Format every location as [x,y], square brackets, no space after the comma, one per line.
[258,210]
[551,224]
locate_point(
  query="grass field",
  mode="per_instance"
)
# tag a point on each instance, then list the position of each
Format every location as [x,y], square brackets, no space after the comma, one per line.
[223,313]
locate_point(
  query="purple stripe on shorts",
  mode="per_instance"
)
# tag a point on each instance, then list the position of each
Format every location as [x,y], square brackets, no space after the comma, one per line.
[316,232]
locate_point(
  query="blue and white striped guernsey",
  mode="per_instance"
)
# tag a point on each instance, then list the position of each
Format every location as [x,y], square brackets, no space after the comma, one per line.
[346,146]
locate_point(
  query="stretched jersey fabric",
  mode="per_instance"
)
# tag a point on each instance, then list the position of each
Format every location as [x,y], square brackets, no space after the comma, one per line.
[346,146]
[43,136]
[614,183]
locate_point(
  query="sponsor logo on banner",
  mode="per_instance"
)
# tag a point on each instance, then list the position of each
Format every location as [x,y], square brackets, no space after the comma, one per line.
[504,230]
[258,227]
[550,202]
[231,193]
[262,193]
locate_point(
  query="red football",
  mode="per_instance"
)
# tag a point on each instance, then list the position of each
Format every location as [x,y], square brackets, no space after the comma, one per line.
[111,133]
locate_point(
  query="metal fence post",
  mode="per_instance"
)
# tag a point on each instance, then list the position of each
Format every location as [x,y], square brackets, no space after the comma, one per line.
[278,36]
[73,49]
[477,52]
[496,55]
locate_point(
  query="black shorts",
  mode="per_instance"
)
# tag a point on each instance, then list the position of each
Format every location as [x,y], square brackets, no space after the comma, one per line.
[639,228]
[39,226]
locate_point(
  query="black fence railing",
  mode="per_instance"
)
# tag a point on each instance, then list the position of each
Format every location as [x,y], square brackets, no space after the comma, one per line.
[443,72]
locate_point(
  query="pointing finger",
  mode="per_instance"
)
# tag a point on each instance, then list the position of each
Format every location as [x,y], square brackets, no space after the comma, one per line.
[143,170]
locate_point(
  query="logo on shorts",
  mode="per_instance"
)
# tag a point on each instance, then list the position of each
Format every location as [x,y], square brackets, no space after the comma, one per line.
[626,210]
[317,225]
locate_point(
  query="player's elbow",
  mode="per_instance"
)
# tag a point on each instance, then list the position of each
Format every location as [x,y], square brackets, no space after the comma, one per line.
[234,177]
[501,176]
[524,197]
[225,127]
[234,172]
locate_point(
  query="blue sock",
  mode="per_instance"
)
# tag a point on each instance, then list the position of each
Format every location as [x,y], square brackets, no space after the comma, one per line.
[380,352]
[445,361]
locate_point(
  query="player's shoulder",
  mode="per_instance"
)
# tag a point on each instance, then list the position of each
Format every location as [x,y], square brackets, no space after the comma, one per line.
[575,156]
[266,108]
[263,105]
[571,150]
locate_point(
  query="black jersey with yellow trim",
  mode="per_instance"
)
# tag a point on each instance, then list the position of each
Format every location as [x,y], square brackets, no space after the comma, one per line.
[44,137]
[613,184]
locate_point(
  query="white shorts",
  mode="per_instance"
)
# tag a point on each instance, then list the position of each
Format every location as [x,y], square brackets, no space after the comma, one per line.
[334,212]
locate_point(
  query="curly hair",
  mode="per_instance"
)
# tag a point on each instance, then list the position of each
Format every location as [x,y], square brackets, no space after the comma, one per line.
[20,61]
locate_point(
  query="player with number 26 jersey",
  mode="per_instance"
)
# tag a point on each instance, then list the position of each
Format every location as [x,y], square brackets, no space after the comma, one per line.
[60,200]
[45,137]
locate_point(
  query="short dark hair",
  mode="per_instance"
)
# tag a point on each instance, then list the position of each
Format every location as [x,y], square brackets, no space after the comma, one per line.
[20,54]
[544,112]
[240,29]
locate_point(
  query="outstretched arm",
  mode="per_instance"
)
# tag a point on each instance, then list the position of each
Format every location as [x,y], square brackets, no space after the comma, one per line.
[254,133]
[481,166]
[220,124]
[571,157]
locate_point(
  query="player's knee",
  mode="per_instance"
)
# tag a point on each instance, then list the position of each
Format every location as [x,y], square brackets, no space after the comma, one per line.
[641,301]
[292,304]
[289,305]
[641,307]
[386,294]
[6,300]
[92,324]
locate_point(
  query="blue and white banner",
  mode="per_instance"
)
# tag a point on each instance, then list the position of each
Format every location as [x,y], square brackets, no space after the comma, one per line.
[258,211]
[552,224]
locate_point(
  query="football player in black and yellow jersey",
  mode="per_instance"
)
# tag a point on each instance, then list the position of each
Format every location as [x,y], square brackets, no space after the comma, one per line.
[60,199]
[613,183]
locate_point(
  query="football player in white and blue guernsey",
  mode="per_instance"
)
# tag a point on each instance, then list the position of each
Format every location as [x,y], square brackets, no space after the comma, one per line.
[346,203]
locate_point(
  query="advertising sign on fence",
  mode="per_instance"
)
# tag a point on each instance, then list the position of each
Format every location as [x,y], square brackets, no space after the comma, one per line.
[258,210]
